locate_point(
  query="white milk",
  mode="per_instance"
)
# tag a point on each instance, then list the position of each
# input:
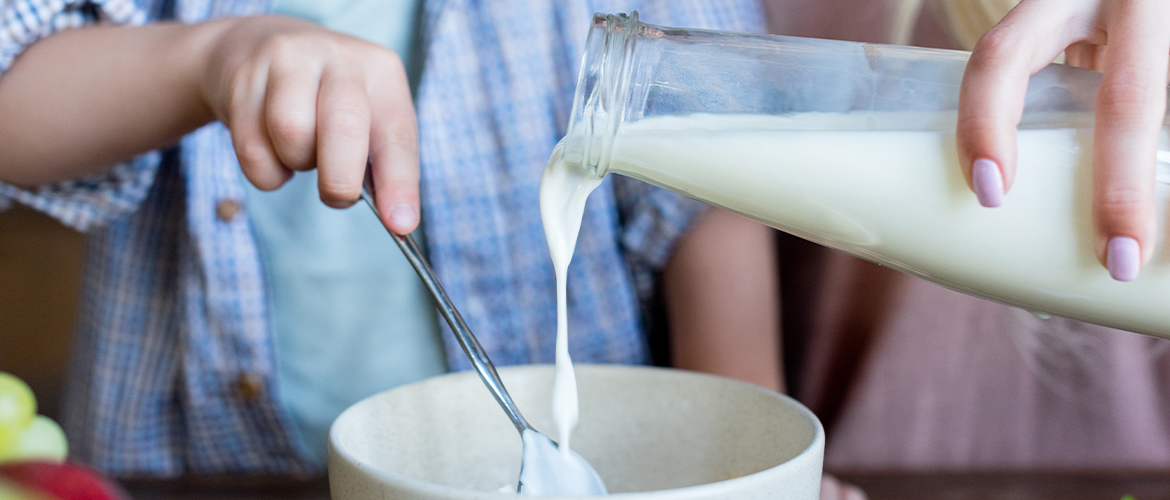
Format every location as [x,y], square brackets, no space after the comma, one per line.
[898,198]
[563,190]
[894,197]
[552,470]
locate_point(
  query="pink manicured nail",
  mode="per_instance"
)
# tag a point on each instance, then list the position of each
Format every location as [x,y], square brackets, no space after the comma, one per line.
[403,215]
[1123,258]
[988,182]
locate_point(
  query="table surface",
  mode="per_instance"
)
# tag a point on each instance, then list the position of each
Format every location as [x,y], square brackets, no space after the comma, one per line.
[1096,485]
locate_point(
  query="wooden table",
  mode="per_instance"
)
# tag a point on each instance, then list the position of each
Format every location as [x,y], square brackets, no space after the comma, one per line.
[229,488]
[1143,485]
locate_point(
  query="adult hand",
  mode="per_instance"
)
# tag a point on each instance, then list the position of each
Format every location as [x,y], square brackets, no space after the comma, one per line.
[297,96]
[1129,41]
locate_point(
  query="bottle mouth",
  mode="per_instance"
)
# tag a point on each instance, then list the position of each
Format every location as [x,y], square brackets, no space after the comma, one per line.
[599,103]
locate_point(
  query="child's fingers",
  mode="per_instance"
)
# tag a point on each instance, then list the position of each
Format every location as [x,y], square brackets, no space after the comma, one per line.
[343,136]
[991,100]
[1131,105]
[291,114]
[394,151]
[258,160]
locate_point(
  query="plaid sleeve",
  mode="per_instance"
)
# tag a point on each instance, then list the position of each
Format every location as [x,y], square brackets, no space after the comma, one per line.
[89,201]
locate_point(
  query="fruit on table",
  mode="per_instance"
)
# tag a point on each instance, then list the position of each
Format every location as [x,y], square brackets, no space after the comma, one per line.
[43,439]
[17,408]
[12,491]
[24,435]
[32,449]
[31,480]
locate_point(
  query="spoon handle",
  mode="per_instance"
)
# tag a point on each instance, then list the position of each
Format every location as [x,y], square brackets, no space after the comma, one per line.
[471,347]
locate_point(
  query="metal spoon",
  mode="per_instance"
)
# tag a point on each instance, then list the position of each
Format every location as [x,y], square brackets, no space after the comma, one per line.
[544,470]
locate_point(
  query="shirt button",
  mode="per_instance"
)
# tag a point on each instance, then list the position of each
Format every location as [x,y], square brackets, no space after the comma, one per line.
[251,386]
[226,210]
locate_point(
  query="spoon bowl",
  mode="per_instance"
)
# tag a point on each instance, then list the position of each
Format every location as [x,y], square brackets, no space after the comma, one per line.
[544,469]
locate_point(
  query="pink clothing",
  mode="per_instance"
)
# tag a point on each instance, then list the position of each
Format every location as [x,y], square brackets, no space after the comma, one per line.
[908,374]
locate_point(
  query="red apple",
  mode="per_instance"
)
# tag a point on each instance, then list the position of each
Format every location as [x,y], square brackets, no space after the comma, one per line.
[61,481]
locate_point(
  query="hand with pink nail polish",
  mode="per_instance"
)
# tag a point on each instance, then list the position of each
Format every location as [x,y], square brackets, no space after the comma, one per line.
[1131,107]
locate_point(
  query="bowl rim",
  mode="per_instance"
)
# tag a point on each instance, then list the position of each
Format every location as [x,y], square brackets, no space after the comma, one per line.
[674,493]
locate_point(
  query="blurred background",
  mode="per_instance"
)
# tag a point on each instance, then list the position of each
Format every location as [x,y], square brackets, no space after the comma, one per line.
[40,272]
[41,260]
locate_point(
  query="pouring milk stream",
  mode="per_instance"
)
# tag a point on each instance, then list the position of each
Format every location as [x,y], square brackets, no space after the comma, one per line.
[563,191]
[852,146]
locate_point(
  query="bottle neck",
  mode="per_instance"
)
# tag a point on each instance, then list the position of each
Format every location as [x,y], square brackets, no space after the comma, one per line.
[599,103]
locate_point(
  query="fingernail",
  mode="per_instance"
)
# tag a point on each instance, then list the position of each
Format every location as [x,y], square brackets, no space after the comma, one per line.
[988,182]
[403,215]
[338,204]
[1123,258]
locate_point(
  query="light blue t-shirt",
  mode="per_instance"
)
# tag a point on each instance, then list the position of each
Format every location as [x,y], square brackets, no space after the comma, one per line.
[350,316]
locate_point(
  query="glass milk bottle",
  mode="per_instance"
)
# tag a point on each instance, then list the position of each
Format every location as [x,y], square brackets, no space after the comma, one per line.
[852,146]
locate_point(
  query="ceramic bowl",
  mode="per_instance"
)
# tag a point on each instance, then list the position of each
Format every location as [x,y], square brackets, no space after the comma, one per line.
[651,433]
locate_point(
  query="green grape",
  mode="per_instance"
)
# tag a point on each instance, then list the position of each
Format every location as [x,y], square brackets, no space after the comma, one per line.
[42,440]
[18,406]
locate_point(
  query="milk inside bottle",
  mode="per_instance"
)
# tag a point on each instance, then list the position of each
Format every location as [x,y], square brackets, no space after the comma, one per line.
[852,146]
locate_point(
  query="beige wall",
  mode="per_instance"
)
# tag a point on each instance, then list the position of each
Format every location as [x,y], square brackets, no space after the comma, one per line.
[40,267]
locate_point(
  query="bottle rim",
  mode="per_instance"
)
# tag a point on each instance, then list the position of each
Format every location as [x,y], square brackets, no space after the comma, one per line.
[601,96]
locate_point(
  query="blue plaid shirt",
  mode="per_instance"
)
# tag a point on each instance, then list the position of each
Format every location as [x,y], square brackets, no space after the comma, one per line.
[174,365]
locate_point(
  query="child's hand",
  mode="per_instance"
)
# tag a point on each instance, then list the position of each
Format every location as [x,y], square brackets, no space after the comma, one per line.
[1131,106]
[297,96]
